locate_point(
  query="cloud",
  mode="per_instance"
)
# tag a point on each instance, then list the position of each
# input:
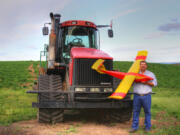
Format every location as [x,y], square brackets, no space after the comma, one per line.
[174,19]
[165,29]
[170,27]
[23,19]
[126,12]
[155,35]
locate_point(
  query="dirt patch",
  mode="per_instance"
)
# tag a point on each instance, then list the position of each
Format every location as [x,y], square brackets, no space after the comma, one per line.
[75,127]
[165,120]
[32,72]
[26,84]
[10,131]
[32,127]
[76,123]
[33,76]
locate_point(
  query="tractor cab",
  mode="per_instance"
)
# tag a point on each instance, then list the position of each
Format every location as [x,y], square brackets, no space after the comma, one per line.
[66,35]
[77,34]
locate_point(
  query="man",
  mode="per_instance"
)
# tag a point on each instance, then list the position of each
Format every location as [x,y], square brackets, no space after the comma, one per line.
[142,98]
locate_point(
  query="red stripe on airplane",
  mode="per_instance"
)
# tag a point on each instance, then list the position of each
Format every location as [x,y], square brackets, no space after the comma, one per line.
[119,94]
[141,57]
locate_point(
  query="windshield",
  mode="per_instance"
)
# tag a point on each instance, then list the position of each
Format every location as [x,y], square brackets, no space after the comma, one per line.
[80,36]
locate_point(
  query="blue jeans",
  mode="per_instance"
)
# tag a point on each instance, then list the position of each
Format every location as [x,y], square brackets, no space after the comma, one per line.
[138,102]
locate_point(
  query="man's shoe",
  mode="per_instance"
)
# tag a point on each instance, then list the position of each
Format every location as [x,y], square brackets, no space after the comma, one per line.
[132,130]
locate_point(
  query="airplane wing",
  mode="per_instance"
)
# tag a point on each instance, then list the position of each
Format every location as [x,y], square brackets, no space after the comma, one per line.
[142,78]
[127,78]
[121,75]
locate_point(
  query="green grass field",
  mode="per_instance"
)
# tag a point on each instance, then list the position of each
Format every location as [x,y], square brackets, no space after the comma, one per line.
[14,74]
[15,80]
[15,104]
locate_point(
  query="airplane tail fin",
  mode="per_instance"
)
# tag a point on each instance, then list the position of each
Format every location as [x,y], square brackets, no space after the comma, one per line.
[99,66]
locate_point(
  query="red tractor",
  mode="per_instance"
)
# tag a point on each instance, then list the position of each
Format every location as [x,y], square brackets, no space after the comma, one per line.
[68,82]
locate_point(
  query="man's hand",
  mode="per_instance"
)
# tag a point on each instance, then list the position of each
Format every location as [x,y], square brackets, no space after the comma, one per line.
[147,83]
[144,82]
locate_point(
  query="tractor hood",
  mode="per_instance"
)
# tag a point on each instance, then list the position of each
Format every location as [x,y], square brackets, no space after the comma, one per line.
[80,52]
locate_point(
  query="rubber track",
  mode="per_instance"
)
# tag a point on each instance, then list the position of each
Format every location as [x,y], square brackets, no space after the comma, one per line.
[121,115]
[53,83]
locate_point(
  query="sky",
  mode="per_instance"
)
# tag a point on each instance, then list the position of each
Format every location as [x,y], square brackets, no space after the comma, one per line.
[152,25]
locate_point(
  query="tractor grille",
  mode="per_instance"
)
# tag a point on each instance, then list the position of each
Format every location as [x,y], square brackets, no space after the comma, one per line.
[84,75]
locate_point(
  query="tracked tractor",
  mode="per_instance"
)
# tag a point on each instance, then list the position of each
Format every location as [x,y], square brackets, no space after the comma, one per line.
[68,82]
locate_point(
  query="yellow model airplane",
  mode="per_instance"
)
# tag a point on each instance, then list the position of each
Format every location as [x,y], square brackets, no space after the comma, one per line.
[127,78]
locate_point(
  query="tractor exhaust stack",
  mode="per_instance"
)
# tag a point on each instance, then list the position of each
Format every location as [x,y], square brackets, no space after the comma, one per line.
[55,21]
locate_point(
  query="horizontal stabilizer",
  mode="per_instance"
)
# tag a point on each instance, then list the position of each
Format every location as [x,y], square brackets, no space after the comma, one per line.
[98,66]
[142,55]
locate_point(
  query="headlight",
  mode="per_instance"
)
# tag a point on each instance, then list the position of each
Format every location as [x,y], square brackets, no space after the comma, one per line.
[94,89]
[80,89]
[108,89]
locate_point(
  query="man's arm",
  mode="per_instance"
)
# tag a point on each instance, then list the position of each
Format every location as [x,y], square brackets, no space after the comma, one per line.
[151,83]
[148,83]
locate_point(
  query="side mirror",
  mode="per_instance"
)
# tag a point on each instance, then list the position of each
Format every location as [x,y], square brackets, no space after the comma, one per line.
[47,48]
[45,31]
[110,33]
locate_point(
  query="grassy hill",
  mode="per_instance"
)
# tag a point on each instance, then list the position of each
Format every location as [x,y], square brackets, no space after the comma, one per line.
[18,77]
[16,74]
